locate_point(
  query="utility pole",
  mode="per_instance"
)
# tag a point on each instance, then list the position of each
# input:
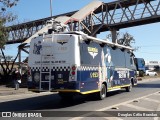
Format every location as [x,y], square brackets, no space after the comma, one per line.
[51,7]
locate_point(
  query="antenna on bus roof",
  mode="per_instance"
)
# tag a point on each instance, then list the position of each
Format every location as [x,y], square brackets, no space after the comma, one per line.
[51,7]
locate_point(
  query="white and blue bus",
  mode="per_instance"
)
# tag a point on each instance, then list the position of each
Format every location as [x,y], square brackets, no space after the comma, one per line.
[73,62]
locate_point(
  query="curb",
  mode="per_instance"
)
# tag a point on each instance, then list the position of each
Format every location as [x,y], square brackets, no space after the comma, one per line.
[141,80]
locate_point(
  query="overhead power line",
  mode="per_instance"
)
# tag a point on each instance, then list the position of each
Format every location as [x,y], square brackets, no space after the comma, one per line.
[148,52]
[148,46]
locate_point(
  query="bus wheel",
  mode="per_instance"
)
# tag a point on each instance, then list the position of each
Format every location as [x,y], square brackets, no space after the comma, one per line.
[132,82]
[128,89]
[102,93]
[141,73]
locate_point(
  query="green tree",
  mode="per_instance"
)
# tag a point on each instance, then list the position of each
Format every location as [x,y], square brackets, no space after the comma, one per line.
[126,39]
[6,17]
[123,38]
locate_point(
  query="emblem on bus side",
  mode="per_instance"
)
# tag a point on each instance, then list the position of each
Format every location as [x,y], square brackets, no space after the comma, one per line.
[62,41]
[37,48]
[92,51]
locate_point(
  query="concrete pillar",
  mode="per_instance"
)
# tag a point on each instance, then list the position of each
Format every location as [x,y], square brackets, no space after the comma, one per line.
[114,35]
[19,59]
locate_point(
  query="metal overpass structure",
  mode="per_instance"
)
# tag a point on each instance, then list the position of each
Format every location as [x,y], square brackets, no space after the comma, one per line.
[94,18]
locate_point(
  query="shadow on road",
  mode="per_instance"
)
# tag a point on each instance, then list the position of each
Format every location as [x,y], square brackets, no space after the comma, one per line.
[54,102]
[47,102]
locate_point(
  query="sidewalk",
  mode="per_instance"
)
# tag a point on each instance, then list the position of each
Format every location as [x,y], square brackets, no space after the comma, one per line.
[11,91]
[143,79]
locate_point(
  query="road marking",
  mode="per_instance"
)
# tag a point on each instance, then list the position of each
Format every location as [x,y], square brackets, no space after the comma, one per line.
[152,100]
[126,102]
[116,105]
[156,118]
[157,94]
[137,107]
[158,109]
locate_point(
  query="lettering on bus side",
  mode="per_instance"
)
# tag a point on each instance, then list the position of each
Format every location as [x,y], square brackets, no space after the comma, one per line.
[62,48]
[122,74]
[94,75]
[61,81]
[57,61]
[92,49]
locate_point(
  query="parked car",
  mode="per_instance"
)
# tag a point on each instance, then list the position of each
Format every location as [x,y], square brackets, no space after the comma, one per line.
[151,73]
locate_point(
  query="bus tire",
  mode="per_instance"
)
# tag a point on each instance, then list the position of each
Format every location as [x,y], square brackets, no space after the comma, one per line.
[102,93]
[141,73]
[132,82]
[129,88]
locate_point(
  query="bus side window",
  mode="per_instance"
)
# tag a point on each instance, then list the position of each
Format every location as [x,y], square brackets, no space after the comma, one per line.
[143,62]
[135,61]
[131,61]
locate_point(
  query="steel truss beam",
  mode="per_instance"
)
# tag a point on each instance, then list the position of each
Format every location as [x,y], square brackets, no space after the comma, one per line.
[114,15]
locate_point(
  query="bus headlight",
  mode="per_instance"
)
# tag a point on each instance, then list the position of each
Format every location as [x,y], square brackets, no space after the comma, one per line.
[37,77]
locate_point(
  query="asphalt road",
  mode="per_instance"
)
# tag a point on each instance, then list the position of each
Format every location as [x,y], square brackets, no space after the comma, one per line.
[146,96]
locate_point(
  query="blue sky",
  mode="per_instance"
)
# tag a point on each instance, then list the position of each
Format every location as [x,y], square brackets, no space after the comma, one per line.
[147,37]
